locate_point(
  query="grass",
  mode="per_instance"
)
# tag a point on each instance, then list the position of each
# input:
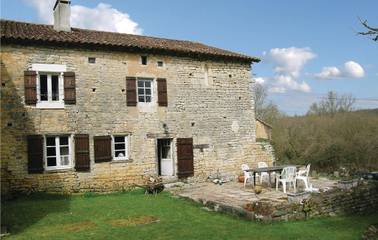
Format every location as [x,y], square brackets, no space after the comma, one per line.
[133,215]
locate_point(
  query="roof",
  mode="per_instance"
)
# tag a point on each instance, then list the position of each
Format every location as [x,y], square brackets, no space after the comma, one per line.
[263,122]
[30,33]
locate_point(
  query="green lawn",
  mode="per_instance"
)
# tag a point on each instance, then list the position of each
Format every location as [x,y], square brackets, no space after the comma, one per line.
[119,216]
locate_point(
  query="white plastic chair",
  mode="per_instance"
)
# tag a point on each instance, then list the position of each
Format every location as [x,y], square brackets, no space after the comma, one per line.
[287,176]
[262,174]
[247,174]
[303,175]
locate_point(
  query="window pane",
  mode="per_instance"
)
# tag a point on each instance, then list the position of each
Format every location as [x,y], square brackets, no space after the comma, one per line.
[50,141]
[148,98]
[55,87]
[51,161]
[140,99]
[43,87]
[120,153]
[148,91]
[64,151]
[140,83]
[140,91]
[64,160]
[119,146]
[148,84]
[51,151]
[119,139]
[63,140]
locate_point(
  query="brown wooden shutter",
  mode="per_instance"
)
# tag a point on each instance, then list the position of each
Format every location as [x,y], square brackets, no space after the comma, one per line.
[185,157]
[131,91]
[102,148]
[82,160]
[30,82]
[35,153]
[69,88]
[162,92]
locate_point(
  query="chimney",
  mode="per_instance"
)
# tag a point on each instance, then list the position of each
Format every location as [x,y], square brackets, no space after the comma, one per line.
[62,14]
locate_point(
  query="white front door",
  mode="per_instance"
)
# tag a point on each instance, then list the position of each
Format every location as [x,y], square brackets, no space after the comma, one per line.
[165,157]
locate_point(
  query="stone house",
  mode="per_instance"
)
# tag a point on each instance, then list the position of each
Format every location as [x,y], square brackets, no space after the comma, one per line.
[86,110]
[263,129]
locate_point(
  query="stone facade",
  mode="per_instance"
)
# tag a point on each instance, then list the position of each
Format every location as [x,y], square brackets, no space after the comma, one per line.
[208,101]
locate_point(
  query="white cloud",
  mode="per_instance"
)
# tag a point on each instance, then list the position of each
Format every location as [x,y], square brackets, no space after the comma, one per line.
[260,80]
[287,66]
[353,70]
[289,60]
[277,90]
[103,17]
[350,69]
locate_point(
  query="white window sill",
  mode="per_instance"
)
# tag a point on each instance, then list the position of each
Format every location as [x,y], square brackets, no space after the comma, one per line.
[120,159]
[56,169]
[125,160]
[50,105]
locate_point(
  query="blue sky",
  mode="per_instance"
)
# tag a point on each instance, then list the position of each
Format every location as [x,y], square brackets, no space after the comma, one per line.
[307,47]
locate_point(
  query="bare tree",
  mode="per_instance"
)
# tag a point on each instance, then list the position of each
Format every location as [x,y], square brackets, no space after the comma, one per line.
[260,99]
[265,110]
[370,31]
[333,104]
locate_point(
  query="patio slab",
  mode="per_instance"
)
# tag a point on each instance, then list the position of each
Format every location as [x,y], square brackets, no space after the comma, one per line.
[234,195]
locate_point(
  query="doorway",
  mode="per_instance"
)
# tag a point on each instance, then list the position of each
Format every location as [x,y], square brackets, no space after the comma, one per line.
[165,158]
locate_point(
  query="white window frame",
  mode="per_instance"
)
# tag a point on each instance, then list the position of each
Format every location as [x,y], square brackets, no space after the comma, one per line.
[49,70]
[127,142]
[57,152]
[151,86]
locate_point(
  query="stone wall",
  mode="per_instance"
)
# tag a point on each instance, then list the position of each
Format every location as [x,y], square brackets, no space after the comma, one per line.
[362,199]
[214,108]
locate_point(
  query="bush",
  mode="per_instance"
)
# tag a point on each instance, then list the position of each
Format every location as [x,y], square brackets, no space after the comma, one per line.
[329,142]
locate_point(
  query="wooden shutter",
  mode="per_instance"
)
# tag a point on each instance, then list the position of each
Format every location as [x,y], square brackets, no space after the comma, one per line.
[30,82]
[162,92]
[69,88]
[102,148]
[185,157]
[35,153]
[82,160]
[131,91]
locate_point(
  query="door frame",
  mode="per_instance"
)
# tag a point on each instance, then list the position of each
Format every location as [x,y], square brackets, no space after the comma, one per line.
[158,156]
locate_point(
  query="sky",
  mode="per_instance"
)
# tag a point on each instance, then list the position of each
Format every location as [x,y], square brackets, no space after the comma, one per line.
[307,47]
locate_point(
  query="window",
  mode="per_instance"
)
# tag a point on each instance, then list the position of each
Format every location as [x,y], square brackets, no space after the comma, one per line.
[120,148]
[144,90]
[143,60]
[50,89]
[160,63]
[91,60]
[57,152]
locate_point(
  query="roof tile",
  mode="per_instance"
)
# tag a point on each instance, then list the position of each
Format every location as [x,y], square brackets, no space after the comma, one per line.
[12,31]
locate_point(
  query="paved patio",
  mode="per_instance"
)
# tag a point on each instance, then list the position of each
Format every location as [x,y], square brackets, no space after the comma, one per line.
[233,194]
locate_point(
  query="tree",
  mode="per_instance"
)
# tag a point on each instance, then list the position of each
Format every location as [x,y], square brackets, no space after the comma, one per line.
[332,104]
[265,110]
[260,99]
[370,31]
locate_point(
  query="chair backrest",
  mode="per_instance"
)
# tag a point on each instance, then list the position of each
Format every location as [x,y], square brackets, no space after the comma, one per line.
[288,173]
[245,167]
[308,169]
[262,165]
